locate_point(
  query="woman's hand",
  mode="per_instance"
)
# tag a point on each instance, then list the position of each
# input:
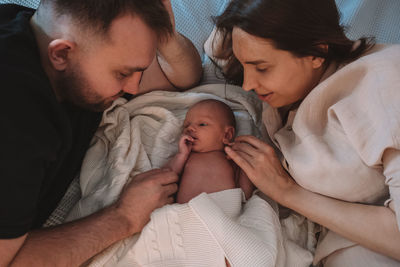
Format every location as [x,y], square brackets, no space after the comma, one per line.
[259,161]
[373,227]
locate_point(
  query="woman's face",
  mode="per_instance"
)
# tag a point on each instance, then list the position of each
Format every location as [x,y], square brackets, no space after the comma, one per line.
[277,76]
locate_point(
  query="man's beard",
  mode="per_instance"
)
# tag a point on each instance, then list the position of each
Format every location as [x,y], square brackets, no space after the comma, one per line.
[74,88]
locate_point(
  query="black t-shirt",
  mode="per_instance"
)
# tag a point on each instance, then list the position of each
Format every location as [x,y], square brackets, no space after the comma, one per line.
[42,141]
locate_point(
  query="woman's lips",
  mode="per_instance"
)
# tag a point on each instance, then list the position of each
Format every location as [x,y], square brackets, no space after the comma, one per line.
[265,97]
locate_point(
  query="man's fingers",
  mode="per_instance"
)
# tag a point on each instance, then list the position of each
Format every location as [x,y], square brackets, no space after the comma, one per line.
[164,176]
[170,200]
[167,177]
[170,189]
[147,173]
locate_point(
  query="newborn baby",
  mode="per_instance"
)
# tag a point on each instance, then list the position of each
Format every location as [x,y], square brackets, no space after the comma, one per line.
[201,161]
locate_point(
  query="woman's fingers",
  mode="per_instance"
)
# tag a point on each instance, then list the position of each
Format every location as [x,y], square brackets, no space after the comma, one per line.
[242,160]
[253,141]
[244,147]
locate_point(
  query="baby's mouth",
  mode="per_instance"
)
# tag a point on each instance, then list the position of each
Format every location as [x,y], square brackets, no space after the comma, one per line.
[193,136]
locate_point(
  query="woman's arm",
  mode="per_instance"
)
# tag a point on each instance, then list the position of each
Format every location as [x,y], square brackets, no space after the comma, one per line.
[373,227]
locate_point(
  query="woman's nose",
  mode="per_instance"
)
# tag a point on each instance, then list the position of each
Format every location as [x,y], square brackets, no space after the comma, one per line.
[248,82]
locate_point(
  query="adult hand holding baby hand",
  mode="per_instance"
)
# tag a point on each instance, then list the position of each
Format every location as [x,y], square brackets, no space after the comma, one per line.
[259,161]
[145,193]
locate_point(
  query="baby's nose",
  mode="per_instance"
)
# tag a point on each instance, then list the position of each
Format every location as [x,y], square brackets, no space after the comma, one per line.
[189,130]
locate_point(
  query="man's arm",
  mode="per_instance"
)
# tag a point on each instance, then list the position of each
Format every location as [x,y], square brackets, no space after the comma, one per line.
[177,64]
[8,249]
[73,243]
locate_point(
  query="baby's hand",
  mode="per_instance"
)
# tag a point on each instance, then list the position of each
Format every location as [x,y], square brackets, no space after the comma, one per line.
[185,144]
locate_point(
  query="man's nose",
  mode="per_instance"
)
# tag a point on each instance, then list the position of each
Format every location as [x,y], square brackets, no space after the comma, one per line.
[132,83]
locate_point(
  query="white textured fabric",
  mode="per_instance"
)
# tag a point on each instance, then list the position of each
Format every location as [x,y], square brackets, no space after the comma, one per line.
[143,134]
[204,232]
[344,139]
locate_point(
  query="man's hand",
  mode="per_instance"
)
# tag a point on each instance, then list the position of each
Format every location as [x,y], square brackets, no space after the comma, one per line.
[9,248]
[144,193]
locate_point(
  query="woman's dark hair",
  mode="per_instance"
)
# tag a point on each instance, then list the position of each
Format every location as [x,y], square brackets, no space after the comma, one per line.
[301,27]
[99,14]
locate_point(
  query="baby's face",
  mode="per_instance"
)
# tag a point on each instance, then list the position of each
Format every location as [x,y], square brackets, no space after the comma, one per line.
[205,123]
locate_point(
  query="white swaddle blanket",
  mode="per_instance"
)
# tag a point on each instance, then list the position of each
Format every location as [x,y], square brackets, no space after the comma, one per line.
[142,134]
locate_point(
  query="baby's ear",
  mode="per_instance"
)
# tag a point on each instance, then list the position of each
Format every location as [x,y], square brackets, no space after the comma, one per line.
[229,135]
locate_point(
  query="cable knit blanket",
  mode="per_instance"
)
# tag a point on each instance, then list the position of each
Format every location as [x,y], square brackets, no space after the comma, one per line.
[142,134]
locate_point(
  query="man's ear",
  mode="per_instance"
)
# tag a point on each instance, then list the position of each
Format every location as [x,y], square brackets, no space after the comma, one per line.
[229,135]
[58,51]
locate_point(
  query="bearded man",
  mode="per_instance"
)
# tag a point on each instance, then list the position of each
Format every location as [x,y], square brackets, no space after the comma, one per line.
[60,67]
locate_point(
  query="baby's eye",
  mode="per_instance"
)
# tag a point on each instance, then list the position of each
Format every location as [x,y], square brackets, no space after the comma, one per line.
[203,124]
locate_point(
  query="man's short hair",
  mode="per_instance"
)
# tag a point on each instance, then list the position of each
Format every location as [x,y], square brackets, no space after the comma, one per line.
[98,15]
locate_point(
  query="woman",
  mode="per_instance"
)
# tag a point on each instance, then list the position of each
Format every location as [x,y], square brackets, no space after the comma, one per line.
[332,112]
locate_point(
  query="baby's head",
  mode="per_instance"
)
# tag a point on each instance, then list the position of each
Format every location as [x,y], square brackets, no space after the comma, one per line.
[211,123]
